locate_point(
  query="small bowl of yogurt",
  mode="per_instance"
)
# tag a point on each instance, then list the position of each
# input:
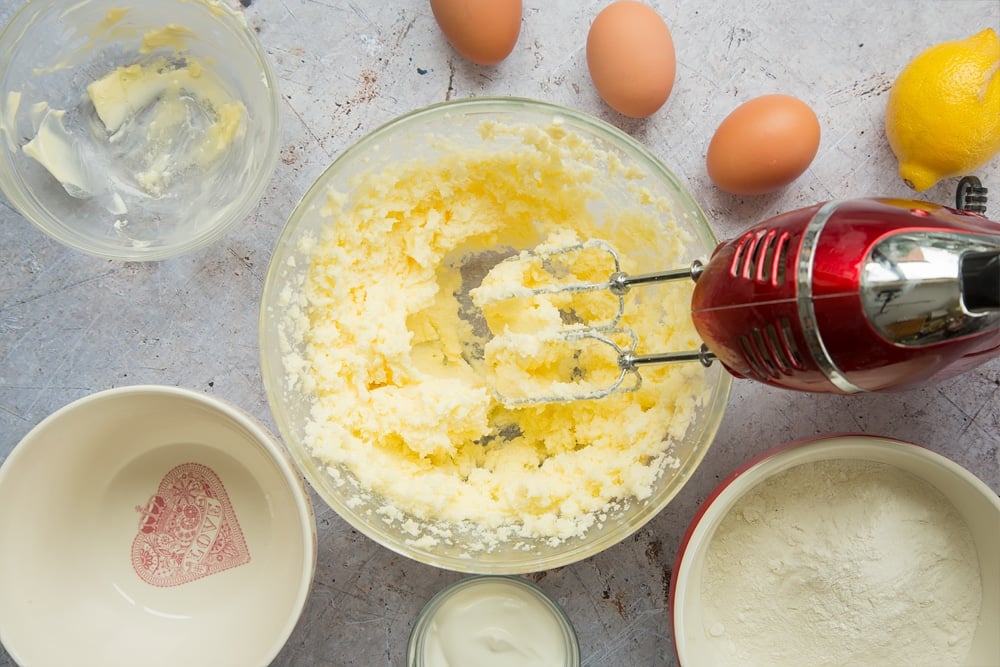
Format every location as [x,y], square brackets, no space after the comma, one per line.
[846,550]
[134,131]
[493,621]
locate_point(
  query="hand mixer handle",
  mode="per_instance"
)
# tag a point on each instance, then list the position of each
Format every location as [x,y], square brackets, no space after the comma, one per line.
[855,295]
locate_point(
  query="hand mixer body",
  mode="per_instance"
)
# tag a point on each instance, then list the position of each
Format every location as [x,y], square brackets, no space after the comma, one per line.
[852,296]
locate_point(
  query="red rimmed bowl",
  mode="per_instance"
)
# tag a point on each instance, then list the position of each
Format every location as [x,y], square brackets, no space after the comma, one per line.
[702,639]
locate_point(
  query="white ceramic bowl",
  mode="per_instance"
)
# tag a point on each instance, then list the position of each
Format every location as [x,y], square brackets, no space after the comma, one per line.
[167,155]
[151,525]
[974,501]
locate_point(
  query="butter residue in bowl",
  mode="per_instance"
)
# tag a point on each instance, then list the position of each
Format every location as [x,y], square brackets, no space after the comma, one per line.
[387,344]
[165,117]
[161,122]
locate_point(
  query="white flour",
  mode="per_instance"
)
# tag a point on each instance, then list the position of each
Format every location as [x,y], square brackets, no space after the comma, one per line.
[841,563]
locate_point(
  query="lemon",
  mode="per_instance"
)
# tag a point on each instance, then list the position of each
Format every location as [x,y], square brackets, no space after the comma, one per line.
[943,114]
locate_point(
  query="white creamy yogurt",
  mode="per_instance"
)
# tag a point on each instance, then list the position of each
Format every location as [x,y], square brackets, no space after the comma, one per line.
[493,622]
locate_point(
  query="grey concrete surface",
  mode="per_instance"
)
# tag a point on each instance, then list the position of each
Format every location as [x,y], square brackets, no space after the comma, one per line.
[71,325]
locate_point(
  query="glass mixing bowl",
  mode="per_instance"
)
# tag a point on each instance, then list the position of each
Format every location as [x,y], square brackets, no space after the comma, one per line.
[565,165]
[135,131]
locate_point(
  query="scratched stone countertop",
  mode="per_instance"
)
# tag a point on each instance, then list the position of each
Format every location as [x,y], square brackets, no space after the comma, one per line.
[71,325]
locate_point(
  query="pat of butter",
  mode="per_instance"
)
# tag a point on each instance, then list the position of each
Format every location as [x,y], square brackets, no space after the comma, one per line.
[53,147]
[126,90]
[58,150]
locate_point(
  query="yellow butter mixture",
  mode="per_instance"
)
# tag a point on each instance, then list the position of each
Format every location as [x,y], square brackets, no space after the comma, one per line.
[405,366]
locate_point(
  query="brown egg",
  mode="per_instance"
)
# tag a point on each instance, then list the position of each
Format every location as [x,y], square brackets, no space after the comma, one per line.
[630,54]
[763,145]
[483,31]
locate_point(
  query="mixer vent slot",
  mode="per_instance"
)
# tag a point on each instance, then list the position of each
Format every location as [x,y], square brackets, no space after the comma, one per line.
[761,256]
[787,340]
[771,350]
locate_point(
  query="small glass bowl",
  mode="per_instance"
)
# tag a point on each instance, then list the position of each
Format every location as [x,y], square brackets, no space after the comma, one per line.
[174,171]
[425,650]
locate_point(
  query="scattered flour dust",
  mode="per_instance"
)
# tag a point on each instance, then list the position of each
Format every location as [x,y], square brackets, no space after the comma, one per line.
[840,563]
[381,339]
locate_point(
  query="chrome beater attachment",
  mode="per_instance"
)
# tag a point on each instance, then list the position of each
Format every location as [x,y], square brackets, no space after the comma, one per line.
[622,340]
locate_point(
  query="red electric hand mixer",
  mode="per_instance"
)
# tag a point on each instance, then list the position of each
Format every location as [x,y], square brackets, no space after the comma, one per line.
[841,297]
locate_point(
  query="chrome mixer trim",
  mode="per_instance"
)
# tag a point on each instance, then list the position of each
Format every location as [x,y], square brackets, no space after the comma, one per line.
[912,288]
[806,307]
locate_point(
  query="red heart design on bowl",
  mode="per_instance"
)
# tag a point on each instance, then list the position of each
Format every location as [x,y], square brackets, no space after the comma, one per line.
[188,529]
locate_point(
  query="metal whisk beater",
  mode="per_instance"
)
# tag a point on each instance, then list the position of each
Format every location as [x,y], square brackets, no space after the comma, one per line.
[619,283]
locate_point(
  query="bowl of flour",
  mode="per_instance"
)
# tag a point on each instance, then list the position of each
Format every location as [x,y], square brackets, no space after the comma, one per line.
[847,550]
